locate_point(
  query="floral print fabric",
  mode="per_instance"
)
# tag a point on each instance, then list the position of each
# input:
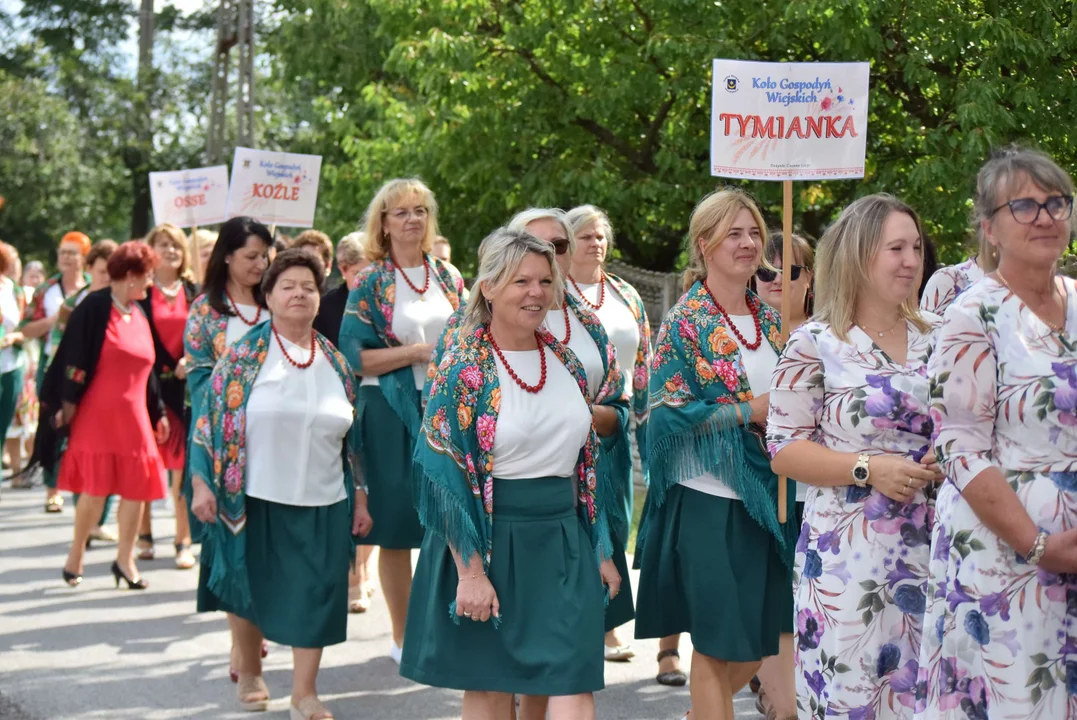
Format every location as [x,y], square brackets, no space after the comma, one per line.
[861,559]
[947,283]
[999,637]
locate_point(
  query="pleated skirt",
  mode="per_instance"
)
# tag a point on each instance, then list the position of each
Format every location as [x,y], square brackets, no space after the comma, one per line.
[297,566]
[544,571]
[386,465]
[708,569]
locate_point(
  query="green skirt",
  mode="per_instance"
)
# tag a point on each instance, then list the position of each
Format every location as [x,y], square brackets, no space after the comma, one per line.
[711,571]
[620,610]
[543,568]
[297,566]
[386,465]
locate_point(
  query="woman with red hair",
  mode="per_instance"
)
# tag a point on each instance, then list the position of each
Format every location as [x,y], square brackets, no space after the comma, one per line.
[106,358]
[41,314]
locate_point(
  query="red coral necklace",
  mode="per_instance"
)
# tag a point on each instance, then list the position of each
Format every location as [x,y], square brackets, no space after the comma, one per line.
[313,349]
[512,373]
[235,309]
[601,292]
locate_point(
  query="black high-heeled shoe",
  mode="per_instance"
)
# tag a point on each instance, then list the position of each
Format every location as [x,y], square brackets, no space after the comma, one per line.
[139,584]
[71,578]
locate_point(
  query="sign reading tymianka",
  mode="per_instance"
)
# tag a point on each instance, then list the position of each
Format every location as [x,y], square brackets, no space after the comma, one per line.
[789,121]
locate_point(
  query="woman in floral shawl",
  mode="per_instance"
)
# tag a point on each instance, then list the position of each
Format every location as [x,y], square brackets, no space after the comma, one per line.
[1000,638]
[715,560]
[508,590]
[619,308]
[231,304]
[271,469]
[848,417]
[396,312]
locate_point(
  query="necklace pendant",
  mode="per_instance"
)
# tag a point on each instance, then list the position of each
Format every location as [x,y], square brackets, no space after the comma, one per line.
[880,334]
[422,297]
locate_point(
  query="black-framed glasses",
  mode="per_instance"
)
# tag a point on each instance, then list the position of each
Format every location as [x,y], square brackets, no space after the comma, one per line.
[1027,211]
[560,246]
[768,275]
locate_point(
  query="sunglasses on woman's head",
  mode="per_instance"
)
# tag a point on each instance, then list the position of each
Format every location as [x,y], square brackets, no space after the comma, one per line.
[768,275]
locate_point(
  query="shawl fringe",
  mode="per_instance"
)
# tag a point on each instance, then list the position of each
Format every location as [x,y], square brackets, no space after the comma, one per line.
[443,512]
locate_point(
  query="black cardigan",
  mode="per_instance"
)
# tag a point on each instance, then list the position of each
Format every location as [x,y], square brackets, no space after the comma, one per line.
[72,371]
[173,390]
[331,313]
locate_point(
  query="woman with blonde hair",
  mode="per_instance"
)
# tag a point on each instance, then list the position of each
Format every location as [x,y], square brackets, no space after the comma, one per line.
[999,637]
[715,560]
[507,462]
[165,306]
[396,312]
[620,309]
[849,418]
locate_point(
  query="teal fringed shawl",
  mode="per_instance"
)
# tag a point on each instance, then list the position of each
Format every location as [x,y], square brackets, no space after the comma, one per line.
[454,463]
[368,325]
[219,456]
[699,395]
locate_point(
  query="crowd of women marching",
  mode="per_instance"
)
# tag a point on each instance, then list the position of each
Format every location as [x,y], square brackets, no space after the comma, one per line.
[927,568]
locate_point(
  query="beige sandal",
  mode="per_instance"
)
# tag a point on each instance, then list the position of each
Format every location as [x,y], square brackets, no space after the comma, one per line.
[358,599]
[253,693]
[310,708]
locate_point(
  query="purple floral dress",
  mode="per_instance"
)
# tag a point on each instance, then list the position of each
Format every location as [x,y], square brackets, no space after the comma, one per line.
[862,559]
[1001,639]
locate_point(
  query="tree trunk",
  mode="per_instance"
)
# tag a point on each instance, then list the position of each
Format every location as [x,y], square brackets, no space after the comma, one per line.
[138,160]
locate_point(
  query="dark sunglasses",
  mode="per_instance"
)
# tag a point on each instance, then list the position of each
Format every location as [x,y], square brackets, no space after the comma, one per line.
[560,246]
[769,275]
[1027,211]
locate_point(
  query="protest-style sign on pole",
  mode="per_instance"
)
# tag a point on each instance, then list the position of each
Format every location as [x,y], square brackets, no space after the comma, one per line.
[788,121]
[189,198]
[274,188]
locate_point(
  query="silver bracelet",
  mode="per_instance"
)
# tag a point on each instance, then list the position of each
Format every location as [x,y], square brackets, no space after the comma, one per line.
[1039,546]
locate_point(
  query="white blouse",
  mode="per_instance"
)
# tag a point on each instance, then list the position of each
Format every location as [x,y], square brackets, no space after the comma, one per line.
[582,344]
[297,420]
[619,323]
[236,328]
[759,367]
[417,318]
[539,434]
[10,358]
[51,302]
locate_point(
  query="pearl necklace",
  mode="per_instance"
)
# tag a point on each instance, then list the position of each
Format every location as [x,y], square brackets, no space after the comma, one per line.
[171,292]
[125,311]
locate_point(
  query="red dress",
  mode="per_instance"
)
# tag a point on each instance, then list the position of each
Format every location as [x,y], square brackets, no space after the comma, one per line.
[170,319]
[112,450]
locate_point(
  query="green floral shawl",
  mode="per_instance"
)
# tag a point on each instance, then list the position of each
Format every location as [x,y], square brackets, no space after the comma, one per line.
[698,384]
[219,456]
[454,463]
[642,362]
[368,325]
[615,456]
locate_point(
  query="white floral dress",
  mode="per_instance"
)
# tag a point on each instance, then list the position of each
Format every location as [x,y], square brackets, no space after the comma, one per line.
[862,559]
[1001,638]
[947,283]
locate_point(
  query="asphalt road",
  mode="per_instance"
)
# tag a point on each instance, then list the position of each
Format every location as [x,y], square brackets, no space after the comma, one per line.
[98,652]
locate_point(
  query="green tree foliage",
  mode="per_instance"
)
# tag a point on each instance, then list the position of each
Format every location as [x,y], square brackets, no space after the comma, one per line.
[500,105]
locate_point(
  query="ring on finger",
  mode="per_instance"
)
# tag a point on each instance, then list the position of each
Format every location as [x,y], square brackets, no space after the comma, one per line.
[467,614]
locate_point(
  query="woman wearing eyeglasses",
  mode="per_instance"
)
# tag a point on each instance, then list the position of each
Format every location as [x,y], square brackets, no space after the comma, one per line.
[999,638]
[392,319]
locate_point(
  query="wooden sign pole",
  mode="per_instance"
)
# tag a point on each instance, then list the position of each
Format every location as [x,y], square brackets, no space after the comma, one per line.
[196,261]
[787,311]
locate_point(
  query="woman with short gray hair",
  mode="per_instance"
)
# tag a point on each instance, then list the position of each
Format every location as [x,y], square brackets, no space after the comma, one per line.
[620,309]
[506,461]
[999,640]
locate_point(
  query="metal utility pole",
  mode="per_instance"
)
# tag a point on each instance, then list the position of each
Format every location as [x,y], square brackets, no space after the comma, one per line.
[235,26]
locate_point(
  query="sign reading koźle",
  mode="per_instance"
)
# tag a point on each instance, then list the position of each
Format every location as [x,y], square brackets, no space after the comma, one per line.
[274,187]
[186,198]
[789,121]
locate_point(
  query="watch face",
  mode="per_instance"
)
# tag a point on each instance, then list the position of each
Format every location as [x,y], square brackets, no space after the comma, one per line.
[860,473]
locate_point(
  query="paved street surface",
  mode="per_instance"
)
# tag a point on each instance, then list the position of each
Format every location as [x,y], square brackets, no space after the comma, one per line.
[98,652]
